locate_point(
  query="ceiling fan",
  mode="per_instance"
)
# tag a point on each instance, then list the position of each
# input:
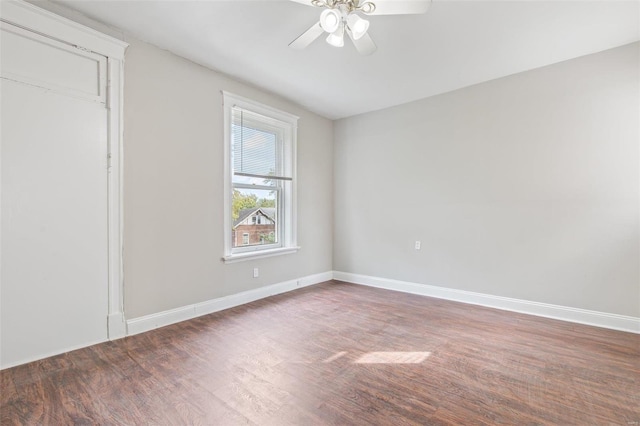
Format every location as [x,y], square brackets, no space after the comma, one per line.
[340,16]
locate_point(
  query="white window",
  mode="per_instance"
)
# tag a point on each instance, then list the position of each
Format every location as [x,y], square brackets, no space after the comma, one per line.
[260,152]
[245,239]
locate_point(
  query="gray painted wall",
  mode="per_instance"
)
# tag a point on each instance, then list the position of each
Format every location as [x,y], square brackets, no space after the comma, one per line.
[523,187]
[173,189]
[173,194]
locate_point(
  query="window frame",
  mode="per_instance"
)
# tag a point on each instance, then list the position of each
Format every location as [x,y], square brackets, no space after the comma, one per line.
[286,219]
[271,125]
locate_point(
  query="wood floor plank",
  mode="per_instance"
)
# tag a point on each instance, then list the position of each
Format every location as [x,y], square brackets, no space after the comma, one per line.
[339,354]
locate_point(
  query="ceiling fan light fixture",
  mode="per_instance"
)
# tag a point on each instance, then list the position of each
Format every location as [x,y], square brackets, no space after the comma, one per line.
[330,20]
[336,38]
[357,25]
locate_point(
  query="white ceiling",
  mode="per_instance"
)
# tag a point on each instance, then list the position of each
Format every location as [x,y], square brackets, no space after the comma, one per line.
[455,44]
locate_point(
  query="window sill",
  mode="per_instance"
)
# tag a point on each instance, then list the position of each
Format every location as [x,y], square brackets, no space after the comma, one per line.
[250,255]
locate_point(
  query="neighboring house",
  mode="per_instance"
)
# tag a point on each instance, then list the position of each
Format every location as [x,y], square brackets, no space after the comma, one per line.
[255,226]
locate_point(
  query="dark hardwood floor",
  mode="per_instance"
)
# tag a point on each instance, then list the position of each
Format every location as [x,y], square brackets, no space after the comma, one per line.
[339,354]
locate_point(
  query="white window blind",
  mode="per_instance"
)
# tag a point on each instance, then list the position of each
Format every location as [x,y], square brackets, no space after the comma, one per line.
[257,146]
[260,164]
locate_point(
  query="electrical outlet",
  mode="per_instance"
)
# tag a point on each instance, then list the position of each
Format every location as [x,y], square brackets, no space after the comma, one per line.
[256,272]
[418,244]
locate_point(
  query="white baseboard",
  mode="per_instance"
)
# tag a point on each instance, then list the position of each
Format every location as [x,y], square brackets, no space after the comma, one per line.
[581,316]
[117,326]
[160,319]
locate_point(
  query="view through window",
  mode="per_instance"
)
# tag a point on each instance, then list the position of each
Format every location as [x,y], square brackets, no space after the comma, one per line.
[261,178]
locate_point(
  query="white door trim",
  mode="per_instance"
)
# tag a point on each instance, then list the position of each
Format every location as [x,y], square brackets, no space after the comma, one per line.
[115,87]
[26,15]
[43,22]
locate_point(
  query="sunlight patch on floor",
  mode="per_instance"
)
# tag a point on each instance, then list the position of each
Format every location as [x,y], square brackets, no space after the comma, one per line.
[335,356]
[393,358]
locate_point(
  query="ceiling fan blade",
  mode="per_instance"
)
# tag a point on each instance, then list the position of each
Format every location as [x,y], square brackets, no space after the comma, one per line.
[364,45]
[400,7]
[307,37]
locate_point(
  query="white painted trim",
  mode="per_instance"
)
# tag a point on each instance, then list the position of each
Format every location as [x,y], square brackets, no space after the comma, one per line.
[564,313]
[258,254]
[161,319]
[116,325]
[97,93]
[43,22]
[287,241]
[260,108]
[50,25]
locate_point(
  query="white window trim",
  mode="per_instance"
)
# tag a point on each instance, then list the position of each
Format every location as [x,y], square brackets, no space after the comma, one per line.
[289,239]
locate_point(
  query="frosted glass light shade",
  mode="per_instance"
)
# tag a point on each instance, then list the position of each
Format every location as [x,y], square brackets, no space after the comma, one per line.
[357,25]
[336,38]
[330,20]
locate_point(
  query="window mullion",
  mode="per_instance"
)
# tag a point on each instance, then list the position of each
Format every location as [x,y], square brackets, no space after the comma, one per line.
[251,186]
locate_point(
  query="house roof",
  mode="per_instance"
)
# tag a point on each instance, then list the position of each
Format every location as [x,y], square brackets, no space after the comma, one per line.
[270,212]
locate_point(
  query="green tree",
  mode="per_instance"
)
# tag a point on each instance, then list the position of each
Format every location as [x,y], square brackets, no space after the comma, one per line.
[242,201]
[268,238]
[266,202]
